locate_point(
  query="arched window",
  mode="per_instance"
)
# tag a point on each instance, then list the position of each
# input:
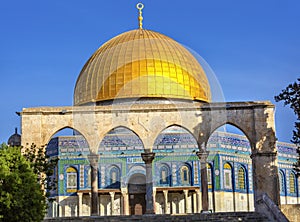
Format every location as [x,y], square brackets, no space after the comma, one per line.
[241,179]
[292,183]
[209,176]
[281,182]
[227,176]
[114,177]
[164,175]
[71,178]
[185,175]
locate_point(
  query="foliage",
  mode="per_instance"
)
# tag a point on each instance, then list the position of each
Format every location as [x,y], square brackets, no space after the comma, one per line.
[21,196]
[42,164]
[291,96]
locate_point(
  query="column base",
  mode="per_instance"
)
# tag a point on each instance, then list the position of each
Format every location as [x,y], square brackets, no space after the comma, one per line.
[94,215]
[149,212]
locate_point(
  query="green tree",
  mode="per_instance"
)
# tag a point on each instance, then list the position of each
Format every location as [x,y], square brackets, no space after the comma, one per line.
[291,97]
[21,196]
[42,165]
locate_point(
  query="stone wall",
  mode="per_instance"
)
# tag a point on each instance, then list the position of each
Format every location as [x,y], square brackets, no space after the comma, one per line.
[232,217]
[291,211]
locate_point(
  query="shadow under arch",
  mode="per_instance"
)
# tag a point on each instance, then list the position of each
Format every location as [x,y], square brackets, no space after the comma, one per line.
[136,169]
[137,193]
[120,140]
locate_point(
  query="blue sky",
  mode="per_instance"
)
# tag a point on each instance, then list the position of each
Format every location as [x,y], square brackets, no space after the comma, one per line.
[252,46]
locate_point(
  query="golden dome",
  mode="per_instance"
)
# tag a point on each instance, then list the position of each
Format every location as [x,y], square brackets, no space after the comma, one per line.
[141,63]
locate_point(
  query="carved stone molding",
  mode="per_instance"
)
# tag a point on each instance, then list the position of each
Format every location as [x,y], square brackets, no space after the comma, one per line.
[93,159]
[202,155]
[148,157]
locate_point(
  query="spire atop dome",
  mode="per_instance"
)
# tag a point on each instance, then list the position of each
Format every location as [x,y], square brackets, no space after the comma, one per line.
[140,7]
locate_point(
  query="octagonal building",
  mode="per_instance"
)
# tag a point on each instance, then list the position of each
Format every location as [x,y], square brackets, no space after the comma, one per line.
[144,137]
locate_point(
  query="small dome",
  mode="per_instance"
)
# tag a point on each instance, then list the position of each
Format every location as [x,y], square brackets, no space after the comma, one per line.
[141,63]
[15,139]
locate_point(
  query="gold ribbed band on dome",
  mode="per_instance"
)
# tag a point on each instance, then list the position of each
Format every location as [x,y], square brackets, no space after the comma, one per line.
[141,63]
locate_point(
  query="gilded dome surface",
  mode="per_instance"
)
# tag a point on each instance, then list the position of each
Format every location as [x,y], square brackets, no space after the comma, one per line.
[141,63]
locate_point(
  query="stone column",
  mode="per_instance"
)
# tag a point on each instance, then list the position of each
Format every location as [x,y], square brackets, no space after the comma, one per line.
[167,209]
[148,158]
[186,201]
[202,155]
[264,155]
[125,202]
[195,209]
[94,158]
[112,198]
[79,211]
[154,199]
[198,201]
[265,176]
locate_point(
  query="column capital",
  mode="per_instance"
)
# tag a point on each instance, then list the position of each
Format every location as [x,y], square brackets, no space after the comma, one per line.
[263,154]
[202,155]
[186,192]
[93,159]
[124,193]
[148,157]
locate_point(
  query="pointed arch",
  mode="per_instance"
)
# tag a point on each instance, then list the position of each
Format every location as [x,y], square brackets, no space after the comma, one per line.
[113,177]
[58,129]
[185,174]
[174,137]
[75,143]
[165,176]
[231,124]
[230,140]
[119,140]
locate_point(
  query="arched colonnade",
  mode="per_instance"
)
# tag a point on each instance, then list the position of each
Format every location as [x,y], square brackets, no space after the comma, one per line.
[147,121]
